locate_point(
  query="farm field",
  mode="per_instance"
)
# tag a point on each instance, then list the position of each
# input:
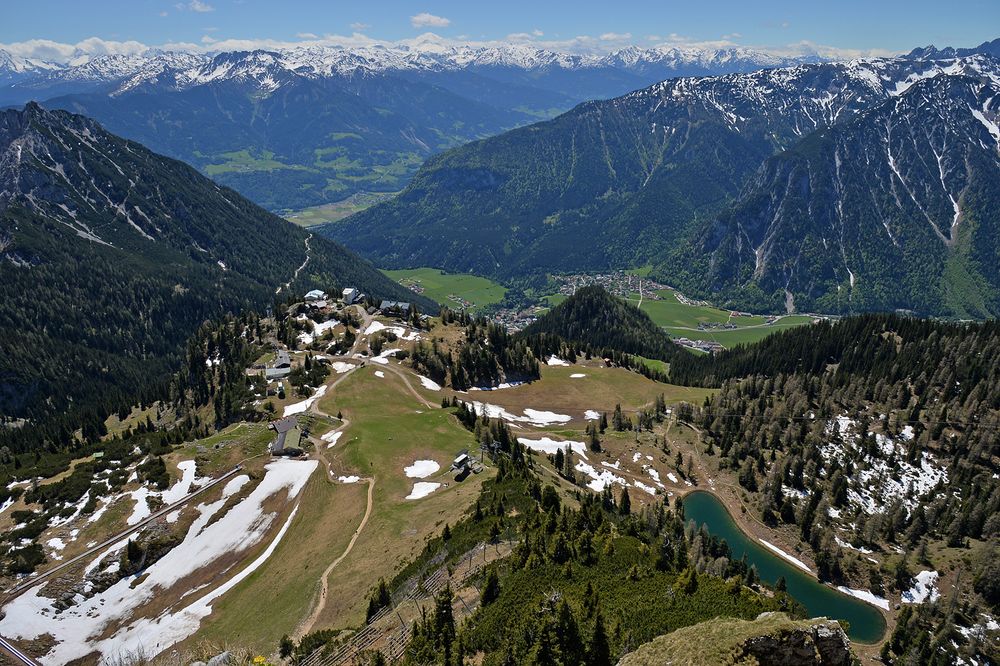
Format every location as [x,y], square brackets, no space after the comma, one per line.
[451,289]
[336,211]
[682,320]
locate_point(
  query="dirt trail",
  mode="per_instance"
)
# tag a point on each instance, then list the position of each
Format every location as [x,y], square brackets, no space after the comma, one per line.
[306,626]
[299,269]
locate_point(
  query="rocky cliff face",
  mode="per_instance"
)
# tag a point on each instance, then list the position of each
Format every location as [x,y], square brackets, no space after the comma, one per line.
[771,640]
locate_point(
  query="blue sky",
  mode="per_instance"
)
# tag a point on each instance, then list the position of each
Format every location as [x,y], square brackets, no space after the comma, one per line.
[54,29]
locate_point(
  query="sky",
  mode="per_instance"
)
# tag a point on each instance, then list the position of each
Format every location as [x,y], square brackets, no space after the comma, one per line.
[59,29]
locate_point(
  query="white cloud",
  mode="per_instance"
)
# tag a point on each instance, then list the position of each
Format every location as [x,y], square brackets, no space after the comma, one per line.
[537,33]
[163,13]
[207,40]
[199,6]
[359,26]
[425,20]
[306,35]
[615,36]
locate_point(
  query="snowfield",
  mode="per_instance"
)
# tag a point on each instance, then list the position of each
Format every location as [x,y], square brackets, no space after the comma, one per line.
[421,469]
[77,630]
[331,438]
[174,493]
[555,360]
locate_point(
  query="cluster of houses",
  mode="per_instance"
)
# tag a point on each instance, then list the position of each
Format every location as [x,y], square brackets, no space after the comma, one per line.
[707,346]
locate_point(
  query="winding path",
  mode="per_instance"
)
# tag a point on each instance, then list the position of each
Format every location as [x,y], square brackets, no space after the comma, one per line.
[306,626]
[298,270]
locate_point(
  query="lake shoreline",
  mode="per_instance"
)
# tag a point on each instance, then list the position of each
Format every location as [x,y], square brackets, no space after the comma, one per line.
[781,554]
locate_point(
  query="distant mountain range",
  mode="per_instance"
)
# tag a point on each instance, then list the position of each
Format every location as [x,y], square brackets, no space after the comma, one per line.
[305,126]
[112,256]
[862,185]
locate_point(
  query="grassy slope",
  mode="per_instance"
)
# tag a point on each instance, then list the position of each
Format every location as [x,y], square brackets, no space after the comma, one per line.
[440,286]
[334,212]
[270,602]
[601,389]
[390,430]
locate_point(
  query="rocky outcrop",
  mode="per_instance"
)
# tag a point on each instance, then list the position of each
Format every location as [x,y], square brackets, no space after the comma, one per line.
[773,639]
[822,644]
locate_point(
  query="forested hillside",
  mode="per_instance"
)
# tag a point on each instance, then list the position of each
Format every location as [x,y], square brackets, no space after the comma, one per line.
[594,317]
[112,256]
[874,434]
[880,196]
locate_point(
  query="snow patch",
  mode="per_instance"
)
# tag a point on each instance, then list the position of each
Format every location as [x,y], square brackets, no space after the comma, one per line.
[866,596]
[429,383]
[421,469]
[422,489]
[924,588]
[550,446]
[599,480]
[780,553]
[532,416]
[306,404]
[331,438]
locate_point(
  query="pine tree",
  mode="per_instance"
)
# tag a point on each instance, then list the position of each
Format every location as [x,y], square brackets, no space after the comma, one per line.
[491,588]
[599,651]
[625,503]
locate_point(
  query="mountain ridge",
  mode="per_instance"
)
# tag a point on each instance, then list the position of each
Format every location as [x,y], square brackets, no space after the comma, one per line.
[111,256]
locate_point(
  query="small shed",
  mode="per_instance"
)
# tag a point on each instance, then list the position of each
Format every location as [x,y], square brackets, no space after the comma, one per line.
[315,295]
[350,295]
[461,461]
[282,427]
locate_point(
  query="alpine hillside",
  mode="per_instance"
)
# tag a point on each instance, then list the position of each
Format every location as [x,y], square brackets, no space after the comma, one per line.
[632,180]
[111,257]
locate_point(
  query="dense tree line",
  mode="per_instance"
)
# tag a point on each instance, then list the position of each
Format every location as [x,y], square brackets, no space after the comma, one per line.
[487,355]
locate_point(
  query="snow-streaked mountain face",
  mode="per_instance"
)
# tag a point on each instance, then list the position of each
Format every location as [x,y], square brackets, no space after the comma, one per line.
[896,209]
